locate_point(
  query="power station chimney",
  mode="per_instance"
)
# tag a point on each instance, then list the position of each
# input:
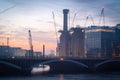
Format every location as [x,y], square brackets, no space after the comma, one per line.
[65,21]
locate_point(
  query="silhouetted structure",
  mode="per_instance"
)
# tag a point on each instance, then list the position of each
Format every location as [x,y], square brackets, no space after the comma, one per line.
[5,51]
[71,41]
[31,46]
[10,52]
[64,45]
[91,42]
[77,42]
[117,41]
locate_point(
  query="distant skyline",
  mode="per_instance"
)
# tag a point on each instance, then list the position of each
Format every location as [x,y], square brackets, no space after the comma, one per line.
[18,16]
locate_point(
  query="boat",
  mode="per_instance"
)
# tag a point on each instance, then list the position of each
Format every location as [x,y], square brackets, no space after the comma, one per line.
[40,69]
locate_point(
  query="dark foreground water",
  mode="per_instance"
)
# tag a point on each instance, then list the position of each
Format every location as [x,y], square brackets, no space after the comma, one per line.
[66,77]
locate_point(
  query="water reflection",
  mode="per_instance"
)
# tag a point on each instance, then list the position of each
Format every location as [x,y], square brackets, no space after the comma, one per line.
[66,77]
[61,77]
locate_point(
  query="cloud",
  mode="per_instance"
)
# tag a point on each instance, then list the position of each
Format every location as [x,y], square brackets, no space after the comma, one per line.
[37,35]
[48,36]
[39,38]
[3,30]
[39,20]
[57,24]
[2,27]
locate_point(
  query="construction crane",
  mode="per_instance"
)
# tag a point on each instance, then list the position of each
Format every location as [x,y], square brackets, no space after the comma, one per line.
[56,32]
[55,27]
[89,16]
[30,43]
[74,19]
[86,21]
[102,17]
[92,19]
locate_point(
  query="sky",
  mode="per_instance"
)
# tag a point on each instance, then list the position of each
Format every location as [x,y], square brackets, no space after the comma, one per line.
[18,16]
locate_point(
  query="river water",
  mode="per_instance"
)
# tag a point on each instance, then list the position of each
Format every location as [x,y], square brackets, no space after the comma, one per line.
[66,77]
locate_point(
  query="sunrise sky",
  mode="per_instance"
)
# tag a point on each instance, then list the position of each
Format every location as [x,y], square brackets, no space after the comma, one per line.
[18,16]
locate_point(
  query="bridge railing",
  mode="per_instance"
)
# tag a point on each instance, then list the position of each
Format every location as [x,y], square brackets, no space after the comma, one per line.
[54,57]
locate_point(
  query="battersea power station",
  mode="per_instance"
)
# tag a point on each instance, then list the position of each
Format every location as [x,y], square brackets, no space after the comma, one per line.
[88,42]
[71,41]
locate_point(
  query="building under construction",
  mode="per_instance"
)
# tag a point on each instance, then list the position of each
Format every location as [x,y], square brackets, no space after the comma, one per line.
[64,45]
[90,42]
[71,41]
[77,42]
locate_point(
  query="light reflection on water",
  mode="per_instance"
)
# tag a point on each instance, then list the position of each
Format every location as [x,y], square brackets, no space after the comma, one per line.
[61,77]
[67,77]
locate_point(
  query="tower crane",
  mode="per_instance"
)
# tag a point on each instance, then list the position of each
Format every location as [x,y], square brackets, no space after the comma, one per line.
[74,19]
[86,21]
[55,27]
[102,17]
[30,43]
[92,19]
[56,32]
[89,16]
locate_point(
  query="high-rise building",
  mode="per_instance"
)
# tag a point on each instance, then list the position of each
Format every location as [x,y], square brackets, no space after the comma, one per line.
[99,41]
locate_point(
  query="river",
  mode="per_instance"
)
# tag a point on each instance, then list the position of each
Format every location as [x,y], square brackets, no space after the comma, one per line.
[66,77]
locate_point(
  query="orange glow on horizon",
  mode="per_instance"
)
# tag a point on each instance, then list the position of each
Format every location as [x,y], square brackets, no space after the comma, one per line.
[24,44]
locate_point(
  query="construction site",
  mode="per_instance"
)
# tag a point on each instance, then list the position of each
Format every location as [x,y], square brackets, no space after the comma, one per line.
[93,41]
[89,42]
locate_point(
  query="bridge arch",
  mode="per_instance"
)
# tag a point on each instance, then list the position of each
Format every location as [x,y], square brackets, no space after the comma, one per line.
[8,68]
[108,66]
[65,66]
